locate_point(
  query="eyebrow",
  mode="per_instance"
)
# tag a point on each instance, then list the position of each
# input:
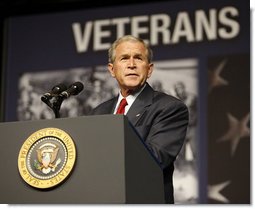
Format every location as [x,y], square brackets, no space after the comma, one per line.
[128,55]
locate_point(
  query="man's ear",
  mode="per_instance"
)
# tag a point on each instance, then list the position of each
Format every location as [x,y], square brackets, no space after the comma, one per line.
[110,68]
[150,70]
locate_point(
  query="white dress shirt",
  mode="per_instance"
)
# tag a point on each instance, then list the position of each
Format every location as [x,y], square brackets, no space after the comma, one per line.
[130,100]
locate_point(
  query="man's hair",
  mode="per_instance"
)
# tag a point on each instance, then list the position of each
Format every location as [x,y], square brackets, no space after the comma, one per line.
[126,38]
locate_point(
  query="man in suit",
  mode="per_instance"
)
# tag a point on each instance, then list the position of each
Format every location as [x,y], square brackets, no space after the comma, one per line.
[160,119]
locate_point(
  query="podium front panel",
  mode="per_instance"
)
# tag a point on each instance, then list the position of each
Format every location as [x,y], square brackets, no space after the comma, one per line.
[99,174]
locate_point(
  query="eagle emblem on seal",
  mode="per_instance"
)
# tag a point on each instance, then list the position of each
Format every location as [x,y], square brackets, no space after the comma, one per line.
[47,160]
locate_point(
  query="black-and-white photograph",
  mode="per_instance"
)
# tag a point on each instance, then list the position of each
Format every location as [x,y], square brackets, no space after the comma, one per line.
[180,79]
[98,87]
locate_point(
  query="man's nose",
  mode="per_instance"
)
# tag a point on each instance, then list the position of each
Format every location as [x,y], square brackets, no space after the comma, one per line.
[131,63]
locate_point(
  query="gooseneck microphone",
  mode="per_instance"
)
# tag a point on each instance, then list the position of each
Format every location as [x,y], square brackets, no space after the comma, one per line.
[73,89]
[55,91]
[59,93]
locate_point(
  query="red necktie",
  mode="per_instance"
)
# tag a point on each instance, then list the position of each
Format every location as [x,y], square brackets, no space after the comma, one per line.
[122,105]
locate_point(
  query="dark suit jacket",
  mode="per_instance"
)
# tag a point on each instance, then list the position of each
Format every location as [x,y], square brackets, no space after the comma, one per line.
[161,120]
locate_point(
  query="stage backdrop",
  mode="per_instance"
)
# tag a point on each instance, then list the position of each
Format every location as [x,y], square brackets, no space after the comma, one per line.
[201,55]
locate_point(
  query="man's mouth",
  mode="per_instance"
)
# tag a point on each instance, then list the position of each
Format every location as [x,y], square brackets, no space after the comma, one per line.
[131,75]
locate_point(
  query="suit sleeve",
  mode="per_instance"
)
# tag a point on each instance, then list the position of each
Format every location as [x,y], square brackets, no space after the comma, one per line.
[168,132]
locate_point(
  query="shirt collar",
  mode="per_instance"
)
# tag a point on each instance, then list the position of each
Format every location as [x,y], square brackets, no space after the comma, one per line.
[130,99]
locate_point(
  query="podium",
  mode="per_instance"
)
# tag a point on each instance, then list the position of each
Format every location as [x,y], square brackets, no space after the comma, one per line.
[113,165]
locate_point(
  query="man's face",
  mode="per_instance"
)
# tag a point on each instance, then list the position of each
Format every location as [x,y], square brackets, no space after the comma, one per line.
[130,67]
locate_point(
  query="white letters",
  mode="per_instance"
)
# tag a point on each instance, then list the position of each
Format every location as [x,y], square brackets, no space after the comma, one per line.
[205,25]
[160,25]
[159,29]
[136,29]
[120,24]
[99,33]
[183,28]
[232,24]
[82,41]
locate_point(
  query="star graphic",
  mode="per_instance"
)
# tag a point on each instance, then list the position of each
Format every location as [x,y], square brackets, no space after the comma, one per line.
[237,130]
[214,192]
[215,79]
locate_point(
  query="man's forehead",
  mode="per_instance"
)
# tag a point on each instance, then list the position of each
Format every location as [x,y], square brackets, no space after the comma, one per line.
[135,47]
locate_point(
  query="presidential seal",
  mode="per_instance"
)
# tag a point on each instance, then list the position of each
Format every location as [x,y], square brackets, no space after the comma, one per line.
[46,158]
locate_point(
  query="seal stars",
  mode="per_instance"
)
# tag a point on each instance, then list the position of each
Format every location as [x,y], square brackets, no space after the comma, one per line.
[46,158]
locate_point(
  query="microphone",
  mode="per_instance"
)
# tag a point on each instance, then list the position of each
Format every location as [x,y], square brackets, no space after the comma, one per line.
[73,89]
[56,90]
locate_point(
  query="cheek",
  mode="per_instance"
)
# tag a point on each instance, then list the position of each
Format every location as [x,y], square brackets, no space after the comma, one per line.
[118,74]
[115,72]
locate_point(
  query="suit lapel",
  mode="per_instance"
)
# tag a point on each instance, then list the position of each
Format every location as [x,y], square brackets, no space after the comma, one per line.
[113,104]
[109,106]
[140,105]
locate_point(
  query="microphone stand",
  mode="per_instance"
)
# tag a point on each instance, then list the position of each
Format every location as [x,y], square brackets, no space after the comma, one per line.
[54,103]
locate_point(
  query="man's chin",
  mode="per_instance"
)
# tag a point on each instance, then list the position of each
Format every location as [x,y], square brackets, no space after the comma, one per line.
[134,87]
